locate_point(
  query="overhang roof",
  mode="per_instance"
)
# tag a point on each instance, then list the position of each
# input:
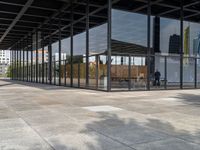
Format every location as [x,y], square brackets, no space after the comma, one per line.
[19,19]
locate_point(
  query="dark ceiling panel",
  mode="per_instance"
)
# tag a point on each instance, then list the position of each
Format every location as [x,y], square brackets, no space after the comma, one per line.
[41,11]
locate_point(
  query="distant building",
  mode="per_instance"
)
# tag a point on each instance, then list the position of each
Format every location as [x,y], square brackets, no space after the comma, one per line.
[174,44]
[196,45]
[56,56]
[4,62]
[40,56]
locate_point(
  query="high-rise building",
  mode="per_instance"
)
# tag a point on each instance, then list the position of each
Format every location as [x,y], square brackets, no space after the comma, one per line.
[4,61]
[40,56]
[174,44]
[196,45]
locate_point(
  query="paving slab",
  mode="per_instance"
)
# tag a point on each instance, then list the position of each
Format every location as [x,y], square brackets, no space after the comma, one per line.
[35,116]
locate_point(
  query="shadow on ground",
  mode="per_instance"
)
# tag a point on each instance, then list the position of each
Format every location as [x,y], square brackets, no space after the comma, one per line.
[189,99]
[115,133]
[35,85]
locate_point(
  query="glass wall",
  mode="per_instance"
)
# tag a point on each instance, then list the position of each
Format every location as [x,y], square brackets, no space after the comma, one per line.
[136,63]
[65,62]
[129,37]
[97,56]
[46,60]
[79,50]
[55,63]
[191,36]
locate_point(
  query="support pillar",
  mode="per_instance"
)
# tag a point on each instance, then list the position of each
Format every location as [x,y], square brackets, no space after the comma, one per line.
[87,44]
[148,44]
[36,47]
[71,41]
[181,46]
[109,45]
[43,44]
[59,49]
[31,58]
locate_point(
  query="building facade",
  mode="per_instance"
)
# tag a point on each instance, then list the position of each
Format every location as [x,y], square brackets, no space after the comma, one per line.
[4,62]
[113,45]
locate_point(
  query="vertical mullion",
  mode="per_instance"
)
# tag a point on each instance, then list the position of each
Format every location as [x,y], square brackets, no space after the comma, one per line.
[71,44]
[65,69]
[50,55]
[42,58]
[181,45]
[148,43]
[59,47]
[27,58]
[165,72]
[97,71]
[195,73]
[23,49]
[129,72]
[109,32]
[31,58]
[87,43]
[36,47]
[11,60]
[17,65]
[20,64]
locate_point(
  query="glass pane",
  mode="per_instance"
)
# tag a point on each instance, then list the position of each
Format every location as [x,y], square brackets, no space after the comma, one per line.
[157,79]
[173,72]
[188,72]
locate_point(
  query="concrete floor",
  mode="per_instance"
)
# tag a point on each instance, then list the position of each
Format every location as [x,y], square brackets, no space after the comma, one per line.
[43,117]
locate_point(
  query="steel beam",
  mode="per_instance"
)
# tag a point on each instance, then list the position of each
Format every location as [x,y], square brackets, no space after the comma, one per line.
[19,15]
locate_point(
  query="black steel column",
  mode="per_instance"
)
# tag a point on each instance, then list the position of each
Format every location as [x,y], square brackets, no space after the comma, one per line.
[97,71]
[148,43]
[20,63]
[23,54]
[109,45]
[87,44]
[43,44]
[78,73]
[195,73]
[31,48]
[165,72]
[129,72]
[15,71]
[36,47]
[50,55]
[65,69]
[54,69]
[27,59]
[181,45]
[11,64]
[59,50]
[17,65]
[71,40]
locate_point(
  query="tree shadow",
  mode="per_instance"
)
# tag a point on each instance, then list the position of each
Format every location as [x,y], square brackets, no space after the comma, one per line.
[189,99]
[112,132]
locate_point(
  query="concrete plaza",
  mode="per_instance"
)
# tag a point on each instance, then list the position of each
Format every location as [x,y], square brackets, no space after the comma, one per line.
[44,117]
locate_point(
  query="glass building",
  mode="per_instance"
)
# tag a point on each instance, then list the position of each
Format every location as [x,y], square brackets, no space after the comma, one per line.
[109,45]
